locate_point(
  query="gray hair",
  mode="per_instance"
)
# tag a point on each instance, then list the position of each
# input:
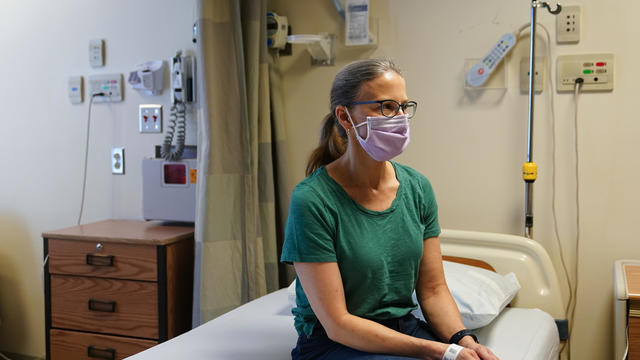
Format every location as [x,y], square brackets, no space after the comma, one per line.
[347,83]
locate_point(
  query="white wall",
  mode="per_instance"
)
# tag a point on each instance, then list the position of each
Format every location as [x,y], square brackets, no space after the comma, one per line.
[43,135]
[473,151]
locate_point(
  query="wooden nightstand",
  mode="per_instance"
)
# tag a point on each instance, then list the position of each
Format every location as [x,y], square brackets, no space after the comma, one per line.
[116,287]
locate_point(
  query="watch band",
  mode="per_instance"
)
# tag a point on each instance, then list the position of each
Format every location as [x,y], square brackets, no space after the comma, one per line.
[455,338]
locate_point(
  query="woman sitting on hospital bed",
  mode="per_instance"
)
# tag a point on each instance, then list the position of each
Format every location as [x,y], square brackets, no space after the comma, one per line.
[363,232]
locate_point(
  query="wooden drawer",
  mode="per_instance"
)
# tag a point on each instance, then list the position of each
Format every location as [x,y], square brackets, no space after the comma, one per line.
[67,345]
[115,260]
[109,306]
[634,338]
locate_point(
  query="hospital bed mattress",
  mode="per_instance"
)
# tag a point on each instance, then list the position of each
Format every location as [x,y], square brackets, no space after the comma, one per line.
[263,329]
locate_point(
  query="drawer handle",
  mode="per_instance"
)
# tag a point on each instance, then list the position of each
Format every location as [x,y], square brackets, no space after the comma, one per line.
[99,260]
[101,353]
[101,305]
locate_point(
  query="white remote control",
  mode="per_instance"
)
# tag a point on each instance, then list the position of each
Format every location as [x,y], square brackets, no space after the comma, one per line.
[480,72]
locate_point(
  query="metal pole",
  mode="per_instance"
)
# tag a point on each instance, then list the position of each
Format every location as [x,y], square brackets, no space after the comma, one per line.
[529,184]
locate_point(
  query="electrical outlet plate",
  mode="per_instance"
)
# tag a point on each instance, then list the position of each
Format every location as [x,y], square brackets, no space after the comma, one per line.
[150,118]
[540,68]
[569,24]
[109,84]
[117,160]
[595,69]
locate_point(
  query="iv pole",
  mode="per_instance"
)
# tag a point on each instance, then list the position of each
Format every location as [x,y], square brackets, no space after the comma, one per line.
[530,169]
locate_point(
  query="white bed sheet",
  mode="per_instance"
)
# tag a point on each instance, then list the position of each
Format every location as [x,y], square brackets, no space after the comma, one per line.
[263,329]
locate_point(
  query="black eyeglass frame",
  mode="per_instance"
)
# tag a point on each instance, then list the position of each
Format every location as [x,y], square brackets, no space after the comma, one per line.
[399,106]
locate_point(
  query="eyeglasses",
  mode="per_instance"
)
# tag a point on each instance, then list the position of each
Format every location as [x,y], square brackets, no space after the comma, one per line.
[391,108]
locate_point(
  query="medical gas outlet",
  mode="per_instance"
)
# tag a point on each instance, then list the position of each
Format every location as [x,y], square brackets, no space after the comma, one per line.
[150,118]
[109,84]
[597,71]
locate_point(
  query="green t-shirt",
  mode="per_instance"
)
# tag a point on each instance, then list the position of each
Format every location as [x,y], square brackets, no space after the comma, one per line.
[378,252]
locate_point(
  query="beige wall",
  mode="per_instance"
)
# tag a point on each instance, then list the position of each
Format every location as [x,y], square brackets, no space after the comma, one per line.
[473,150]
[43,135]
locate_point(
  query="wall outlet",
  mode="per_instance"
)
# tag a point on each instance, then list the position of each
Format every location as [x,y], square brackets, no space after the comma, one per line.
[117,160]
[597,71]
[568,24]
[539,80]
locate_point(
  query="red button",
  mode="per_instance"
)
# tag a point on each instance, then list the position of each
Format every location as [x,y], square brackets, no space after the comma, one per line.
[480,71]
[601,63]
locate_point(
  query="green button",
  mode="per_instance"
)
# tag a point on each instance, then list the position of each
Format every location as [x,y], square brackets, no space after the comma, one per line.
[587,71]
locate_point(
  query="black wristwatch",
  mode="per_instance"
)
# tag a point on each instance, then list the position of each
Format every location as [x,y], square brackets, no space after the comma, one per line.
[455,338]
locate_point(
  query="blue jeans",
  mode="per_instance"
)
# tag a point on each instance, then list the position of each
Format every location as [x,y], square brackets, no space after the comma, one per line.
[318,346]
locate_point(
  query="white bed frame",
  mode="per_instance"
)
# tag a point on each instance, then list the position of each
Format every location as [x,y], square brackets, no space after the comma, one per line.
[509,253]
[228,336]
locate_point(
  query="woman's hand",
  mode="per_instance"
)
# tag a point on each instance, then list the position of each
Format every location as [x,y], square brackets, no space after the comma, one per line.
[480,351]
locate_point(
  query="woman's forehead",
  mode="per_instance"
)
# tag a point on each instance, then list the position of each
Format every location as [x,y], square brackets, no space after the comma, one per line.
[389,85]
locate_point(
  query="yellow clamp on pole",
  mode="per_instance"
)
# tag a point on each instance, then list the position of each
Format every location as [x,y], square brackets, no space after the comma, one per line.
[530,171]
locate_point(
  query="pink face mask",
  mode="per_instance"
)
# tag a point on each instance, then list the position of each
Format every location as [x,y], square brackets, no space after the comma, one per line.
[386,137]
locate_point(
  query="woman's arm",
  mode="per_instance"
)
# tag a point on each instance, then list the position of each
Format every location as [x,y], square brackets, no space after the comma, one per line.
[322,284]
[433,293]
[436,301]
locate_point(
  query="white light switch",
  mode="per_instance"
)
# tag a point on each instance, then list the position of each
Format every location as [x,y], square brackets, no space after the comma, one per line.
[96,53]
[75,89]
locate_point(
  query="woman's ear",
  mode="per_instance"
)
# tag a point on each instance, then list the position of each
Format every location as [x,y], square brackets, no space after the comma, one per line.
[343,117]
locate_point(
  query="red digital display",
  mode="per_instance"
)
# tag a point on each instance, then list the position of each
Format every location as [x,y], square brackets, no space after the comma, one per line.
[175,174]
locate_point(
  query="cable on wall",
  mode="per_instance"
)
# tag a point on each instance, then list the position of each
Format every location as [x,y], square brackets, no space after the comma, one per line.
[86,156]
[578,85]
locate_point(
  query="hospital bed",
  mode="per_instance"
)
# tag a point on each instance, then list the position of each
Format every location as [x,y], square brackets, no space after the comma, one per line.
[527,329]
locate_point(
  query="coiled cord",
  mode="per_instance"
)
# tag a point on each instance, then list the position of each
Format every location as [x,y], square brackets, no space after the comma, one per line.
[177,119]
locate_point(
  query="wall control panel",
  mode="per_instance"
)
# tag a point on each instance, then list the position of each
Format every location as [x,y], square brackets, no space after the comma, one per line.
[597,71]
[110,85]
[75,89]
[96,53]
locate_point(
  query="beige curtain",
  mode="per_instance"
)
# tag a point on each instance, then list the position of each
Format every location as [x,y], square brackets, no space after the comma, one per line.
[238,221]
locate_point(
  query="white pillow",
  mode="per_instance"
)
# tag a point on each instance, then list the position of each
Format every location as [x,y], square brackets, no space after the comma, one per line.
[291,293]
[480,294]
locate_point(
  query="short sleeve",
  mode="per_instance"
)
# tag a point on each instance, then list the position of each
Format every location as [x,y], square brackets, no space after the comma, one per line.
[310,229]
[429,211]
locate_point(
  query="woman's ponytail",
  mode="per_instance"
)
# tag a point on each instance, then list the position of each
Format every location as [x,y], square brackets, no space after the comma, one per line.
[333,143]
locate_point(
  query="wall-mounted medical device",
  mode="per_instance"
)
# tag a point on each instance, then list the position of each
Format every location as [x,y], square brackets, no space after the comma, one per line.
[277,30]
[183,84]
[183,77]
[596,71]
[148,77]
[109,85]
[321,47]
[169,189]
